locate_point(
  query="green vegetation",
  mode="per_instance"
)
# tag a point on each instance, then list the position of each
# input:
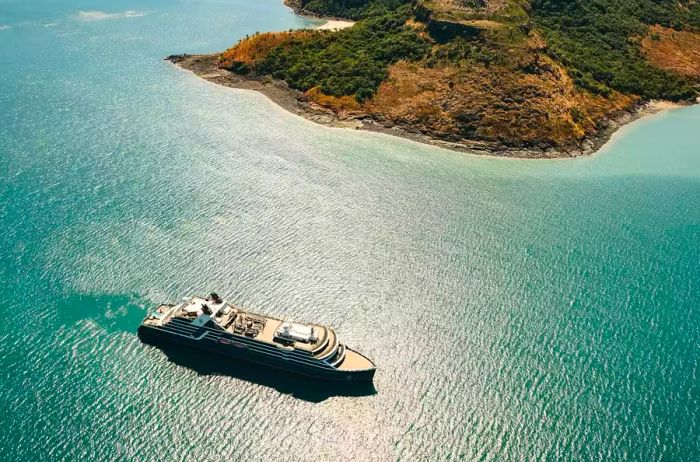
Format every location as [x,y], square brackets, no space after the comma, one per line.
[461,50]
[351,9]
[352,61]
[598,42]
[506,12]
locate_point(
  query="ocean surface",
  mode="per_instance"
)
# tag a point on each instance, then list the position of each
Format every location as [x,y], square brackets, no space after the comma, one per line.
[517,310]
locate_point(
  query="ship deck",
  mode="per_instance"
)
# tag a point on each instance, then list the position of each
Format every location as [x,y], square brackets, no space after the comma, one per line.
[354,361]
[243,323]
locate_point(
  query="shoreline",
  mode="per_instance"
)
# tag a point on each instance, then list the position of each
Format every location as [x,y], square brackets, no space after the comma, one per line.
[294,101]
[332,22]
[299,11]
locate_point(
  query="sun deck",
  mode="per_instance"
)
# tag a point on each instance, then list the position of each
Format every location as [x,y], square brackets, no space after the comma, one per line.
[320,340]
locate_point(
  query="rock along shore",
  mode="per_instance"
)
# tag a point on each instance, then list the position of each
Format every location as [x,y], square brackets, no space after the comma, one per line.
[206,67]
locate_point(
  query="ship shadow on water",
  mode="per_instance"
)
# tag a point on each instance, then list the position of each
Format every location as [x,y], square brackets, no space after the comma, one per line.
[300,387]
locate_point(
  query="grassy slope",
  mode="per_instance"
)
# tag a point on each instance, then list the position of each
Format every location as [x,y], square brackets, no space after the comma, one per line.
[517,72]
[351,9]
[598,41]
[676,51]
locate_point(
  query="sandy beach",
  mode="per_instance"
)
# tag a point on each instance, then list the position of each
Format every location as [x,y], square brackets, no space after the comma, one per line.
[334,24]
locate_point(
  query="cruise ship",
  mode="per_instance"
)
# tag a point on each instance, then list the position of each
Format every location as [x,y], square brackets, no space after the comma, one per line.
[214,324]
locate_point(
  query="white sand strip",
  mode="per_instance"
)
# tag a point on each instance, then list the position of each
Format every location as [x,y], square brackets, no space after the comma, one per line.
[333,24]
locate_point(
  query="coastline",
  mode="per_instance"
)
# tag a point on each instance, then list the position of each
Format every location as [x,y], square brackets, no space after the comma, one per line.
[294,101]
[332,22]
[651,108]
[299,11]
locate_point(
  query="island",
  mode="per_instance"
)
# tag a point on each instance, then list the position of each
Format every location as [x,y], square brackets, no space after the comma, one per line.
[519,78]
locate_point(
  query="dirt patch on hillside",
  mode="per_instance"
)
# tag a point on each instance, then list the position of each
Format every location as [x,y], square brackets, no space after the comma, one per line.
[676,51]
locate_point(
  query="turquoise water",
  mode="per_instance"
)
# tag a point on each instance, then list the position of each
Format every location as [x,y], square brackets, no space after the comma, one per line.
[516,309]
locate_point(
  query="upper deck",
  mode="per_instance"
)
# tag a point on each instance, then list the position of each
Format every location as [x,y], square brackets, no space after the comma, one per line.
[319,341]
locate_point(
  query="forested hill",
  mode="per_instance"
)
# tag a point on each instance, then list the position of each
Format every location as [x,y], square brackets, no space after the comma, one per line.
[349,9]
[600,42]
[546,73]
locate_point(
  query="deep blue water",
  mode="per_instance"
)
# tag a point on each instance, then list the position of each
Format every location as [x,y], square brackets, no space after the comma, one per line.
[516,309]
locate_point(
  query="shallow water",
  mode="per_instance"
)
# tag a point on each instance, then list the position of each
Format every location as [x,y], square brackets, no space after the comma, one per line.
[516,309]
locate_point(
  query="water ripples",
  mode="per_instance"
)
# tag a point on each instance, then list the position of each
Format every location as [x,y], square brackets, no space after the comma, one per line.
[516,310]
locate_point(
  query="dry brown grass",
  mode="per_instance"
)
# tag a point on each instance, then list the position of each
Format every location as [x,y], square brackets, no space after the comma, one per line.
[492,104]
[342,105]
[676,51]
[252,49]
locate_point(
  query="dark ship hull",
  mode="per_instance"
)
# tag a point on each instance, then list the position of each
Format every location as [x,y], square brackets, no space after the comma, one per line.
[248,350]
